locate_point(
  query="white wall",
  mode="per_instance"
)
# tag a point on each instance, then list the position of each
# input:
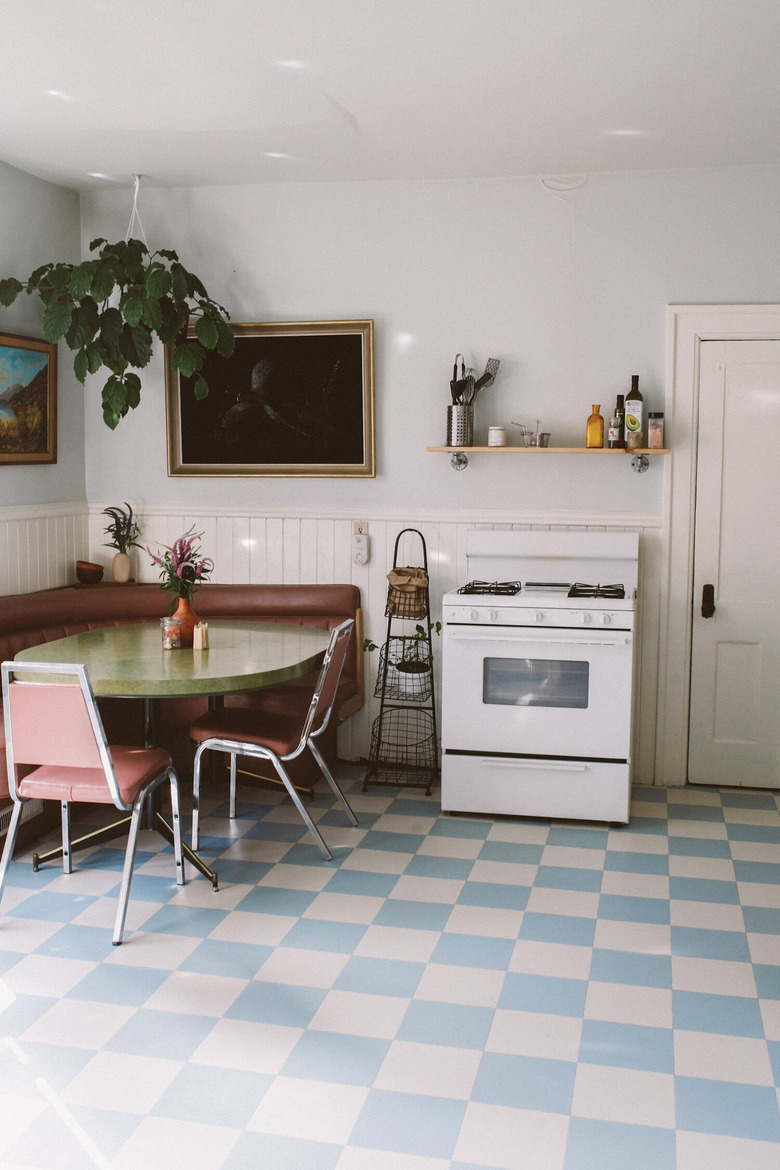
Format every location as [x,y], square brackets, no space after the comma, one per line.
[567,289]
[38,223]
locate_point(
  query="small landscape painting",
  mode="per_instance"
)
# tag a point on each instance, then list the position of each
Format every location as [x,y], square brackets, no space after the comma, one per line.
[28,400]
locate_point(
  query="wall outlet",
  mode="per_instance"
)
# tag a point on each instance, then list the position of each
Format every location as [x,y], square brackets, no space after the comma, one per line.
[360,528]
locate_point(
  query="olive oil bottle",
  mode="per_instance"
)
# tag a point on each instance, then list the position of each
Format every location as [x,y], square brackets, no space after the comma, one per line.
[635,420]
[594,432]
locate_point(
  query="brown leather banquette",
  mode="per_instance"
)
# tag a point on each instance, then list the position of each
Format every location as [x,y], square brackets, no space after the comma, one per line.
[32,619]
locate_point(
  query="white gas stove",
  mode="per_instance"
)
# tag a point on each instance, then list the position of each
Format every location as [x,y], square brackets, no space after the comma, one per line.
[537,675]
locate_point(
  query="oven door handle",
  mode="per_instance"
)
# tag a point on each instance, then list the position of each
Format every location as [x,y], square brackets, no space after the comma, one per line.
[536,765]
[529,639]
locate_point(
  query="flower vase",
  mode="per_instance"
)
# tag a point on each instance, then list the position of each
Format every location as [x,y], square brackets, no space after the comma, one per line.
[188,618]
[120,567]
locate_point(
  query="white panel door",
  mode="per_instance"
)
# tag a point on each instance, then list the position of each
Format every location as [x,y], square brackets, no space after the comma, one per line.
[734,736]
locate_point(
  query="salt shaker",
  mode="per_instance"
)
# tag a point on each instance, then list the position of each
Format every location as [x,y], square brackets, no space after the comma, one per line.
[171,633]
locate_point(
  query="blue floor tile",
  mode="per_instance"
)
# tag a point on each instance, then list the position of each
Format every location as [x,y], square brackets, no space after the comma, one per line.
[698,847]
[727,1015]
[260,1151]
[694,812]
[284,1004]
[461,827]
[53,907]
[578,838]
[493,895]
[710,944]
[78,942]
[112,983]
[766,834]
[392,842]
[190,921]
[539,993]
[560,928]
[617,861]
[413,915]
[192,1094]
[311,934]
[619,908]
[242,960]
[757,871]
[722,1107]
[405,1123]
[450,1024]
[356,881]
[748,800]
[515,852]
[767,978]
[169,1035]
[561,877]
[468,950]
[380,976]
[627,1046]
[332,1056]
[440,867]
[277,900]
[704,890]
[627,967]
[610,1145]
[525,1082]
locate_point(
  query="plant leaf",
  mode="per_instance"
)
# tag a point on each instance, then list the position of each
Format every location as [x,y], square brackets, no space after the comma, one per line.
[9,290]
[152,314]
[227,339]
[133,389]
[81,279]
[85,324]
[183,360]
[56,318]
[174,320]
[201,388]
[96,243]
[131,307]
[103,282]
[158,281]
[180,288]
[81,365]
[206,332]
[96,355]
[136,345]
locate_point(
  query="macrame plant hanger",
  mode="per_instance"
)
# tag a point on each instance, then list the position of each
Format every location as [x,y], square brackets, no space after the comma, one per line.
[135,218]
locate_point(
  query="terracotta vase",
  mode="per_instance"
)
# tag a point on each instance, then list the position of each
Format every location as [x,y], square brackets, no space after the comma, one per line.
[188,618]
[120,567]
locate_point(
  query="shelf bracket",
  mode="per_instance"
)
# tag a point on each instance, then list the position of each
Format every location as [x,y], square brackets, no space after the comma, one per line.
[640,463]
[459,461]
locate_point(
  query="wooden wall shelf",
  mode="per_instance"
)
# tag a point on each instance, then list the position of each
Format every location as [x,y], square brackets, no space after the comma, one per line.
[638,457]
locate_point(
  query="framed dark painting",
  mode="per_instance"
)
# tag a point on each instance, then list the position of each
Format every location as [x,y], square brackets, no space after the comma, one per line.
[28,400]
[294,399]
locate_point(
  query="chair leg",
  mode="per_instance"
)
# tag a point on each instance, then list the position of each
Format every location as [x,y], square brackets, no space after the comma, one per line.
[67,859]
[331,781]
[326,853]
[10,842]
[176,818]
[127,872]
[196,798]
[232,808]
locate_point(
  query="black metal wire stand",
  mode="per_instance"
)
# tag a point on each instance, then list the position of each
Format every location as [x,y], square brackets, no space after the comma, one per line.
[404,742]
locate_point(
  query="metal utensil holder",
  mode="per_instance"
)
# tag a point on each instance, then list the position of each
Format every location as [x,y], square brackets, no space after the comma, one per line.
[460,425]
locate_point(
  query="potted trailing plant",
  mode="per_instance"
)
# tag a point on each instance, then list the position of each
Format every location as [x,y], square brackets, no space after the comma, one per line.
[182,570]
[414,650]
[110,308]
[122,533]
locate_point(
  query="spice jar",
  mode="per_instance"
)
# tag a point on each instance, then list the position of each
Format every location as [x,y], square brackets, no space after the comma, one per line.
[496,437]
[655,430]
[171,633]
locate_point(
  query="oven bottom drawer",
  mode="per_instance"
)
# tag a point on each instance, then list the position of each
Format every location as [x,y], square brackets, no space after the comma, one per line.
[572,790]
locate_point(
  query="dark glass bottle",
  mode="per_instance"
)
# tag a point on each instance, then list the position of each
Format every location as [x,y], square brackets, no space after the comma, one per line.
[617,438]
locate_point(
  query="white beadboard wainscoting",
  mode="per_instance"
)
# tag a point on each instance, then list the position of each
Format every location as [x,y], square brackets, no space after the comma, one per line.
[39,546]
[293,549]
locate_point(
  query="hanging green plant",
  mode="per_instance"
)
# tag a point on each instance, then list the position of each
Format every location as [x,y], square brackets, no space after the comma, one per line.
[109,309]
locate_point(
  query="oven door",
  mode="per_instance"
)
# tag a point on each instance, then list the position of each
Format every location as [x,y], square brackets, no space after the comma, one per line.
[553,692]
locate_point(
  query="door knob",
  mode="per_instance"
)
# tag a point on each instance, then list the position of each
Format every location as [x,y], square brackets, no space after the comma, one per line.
[707,601]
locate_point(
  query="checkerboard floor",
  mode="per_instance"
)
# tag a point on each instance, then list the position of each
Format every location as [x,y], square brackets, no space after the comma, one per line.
[449,992]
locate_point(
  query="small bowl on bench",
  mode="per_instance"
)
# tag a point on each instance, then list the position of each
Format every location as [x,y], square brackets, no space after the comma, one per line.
[88,572]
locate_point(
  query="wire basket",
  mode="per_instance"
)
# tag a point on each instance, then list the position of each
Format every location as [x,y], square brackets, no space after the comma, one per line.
[409,676]
[406,603]
[403,740]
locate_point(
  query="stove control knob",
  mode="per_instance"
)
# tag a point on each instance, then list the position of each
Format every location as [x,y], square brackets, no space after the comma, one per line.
[494,615]
[606,619]
[474,615]
[585,619]
[538,616]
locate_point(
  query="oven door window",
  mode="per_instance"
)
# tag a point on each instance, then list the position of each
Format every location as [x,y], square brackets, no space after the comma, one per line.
[535,682]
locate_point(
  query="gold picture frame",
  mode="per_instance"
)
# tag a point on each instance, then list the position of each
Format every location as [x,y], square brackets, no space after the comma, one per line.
[28,400]
[294,399]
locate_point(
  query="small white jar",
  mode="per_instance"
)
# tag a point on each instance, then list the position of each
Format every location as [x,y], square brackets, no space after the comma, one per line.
[496,437]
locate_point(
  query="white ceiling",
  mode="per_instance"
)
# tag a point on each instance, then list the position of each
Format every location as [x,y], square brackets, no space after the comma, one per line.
[209,92]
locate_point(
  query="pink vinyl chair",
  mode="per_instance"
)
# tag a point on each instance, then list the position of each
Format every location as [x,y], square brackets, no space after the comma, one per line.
[56,750]
[275,736]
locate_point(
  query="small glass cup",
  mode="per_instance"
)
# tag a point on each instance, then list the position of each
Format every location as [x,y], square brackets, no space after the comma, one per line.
[171,633]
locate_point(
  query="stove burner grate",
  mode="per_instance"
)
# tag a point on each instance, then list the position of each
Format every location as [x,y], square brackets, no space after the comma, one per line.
[580,590]
[496,588]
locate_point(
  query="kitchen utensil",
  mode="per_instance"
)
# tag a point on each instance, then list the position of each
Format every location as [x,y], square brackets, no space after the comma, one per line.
[456,385]
[489,376]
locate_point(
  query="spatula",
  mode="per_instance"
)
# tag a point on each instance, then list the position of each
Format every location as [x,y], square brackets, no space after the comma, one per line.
[489,376]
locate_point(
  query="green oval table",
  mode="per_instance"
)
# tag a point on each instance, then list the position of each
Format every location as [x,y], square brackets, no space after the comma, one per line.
[128,661]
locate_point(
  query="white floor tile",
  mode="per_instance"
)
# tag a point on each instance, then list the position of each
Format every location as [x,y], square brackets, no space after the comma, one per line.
[713,976]
[388,942]
[710,1056]
[621,1003]
[486,921]
[535,1034]
[358,1014]
[195,994]
[160,1141]
[428,1070]
[76,1023]
[309,1110]
[121,1082]
[473,986]
[626,1095]
[248,1047]
[512,1139]
[542,958]
[301,968]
